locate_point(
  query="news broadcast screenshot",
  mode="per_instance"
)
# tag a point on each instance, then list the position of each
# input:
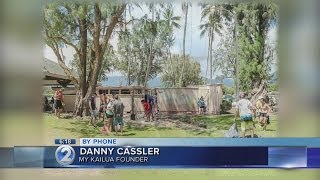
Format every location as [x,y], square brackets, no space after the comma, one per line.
[160,90]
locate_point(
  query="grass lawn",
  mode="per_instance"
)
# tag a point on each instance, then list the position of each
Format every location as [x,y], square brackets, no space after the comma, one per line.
[51,128]
[216,127]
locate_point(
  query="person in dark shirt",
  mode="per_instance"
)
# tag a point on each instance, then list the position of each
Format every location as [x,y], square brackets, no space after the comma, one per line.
[118,108]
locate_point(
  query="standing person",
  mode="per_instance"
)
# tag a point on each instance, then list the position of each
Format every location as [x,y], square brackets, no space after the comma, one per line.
[93,109]
[102,106]
[46,104]
[147,110]
[264,114]
[244,110]
[152,106]
[118,108]
[52,104]
[258,107]
[106,99]
[156,103]
[202,105]
[58,100]
[109,117]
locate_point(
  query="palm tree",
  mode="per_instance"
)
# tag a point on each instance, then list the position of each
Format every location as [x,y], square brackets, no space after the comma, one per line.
[212,25]
[150,26]
[185,9]
[170,23]
[170,20]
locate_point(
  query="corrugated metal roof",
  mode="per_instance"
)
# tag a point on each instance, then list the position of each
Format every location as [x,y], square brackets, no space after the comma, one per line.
[52,67]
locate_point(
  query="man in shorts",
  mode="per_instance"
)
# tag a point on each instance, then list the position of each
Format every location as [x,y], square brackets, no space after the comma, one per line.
[118,108]
[244,110]
[93,109]
[107,128]
[58,102]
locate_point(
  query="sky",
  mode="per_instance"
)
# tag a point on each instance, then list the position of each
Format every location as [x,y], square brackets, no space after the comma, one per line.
[195,46]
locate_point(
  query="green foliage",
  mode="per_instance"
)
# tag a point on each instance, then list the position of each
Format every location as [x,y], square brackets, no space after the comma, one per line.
[172,71]
[225,55]
[254,22]
[149,39]
[62,21]
[273,87]
[225,106]
[249,25]
[134,50]
[47,91]
[228,90]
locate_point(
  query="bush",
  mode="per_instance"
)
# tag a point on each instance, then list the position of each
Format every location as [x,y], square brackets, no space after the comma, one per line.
[225,106]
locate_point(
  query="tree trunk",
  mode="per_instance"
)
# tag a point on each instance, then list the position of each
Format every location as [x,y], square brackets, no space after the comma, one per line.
[185,31]
[260,91]
[79,105]
[146,78]
[210,55]
[89,87]
[184,43]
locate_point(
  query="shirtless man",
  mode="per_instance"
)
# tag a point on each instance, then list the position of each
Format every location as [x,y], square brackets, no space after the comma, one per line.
[58,102]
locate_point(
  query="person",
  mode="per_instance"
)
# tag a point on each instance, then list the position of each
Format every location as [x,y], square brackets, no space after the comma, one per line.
[258,107]
[107,128]
[202,105]
[52,104]
[264,114]
[147,110]
[152,106]
[93,109]
[58,102]
[118,108]
[244,109]
[106,99]
[102,110]
[156,103]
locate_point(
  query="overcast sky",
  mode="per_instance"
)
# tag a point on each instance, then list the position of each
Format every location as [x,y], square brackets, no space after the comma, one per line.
[195,46]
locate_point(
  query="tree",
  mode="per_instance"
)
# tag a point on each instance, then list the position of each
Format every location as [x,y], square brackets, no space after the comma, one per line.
[225,55]
[185,9]
[139,41]
[149,43]
[191,74]
[213,24]
[87,28]
[254,53]
[254,23]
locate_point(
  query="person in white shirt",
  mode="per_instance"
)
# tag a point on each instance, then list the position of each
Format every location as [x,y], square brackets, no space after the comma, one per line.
[244,109]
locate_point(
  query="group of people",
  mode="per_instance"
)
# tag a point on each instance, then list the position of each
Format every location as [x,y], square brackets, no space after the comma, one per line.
[112,109]
[249,113]
[150,106]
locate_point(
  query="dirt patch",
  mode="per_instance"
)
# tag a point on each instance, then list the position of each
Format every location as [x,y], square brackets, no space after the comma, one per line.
[181,122]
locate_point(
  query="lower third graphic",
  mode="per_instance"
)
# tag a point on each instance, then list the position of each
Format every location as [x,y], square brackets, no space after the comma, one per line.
[65,155]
